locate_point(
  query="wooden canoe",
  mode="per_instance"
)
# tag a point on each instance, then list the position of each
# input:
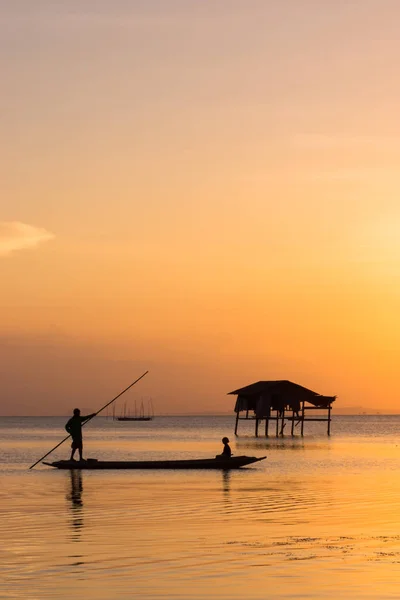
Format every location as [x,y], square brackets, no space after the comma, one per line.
[224,464]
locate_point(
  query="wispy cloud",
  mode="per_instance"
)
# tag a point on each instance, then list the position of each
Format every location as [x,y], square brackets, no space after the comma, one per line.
[15,235]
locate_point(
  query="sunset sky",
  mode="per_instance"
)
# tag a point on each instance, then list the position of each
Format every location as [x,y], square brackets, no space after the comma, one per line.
[207,190]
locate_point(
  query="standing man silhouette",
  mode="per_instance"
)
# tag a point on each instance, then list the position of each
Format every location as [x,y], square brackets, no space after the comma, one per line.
[74,428]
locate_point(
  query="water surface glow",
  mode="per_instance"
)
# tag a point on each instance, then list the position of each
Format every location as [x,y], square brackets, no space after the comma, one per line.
[317,519]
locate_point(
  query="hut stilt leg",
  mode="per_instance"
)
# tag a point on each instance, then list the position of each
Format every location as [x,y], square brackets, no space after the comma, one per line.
[302,418]
[266,426]
[277,423]
[292,431]
[237,422]
[282,422]
[329,420]
[256,427]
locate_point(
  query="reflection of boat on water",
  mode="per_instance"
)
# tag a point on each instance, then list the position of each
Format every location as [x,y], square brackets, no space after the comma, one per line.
[140,415]
[224,464]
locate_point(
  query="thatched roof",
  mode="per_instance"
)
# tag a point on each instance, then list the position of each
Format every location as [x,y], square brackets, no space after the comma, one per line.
[286,389]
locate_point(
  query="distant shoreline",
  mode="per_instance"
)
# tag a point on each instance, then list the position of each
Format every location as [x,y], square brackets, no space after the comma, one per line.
[341,413]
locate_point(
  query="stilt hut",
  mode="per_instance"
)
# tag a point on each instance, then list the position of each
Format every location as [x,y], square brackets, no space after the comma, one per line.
[281,402]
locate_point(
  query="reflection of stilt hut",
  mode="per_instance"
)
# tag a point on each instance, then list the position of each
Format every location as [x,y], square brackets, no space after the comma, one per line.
[282,402]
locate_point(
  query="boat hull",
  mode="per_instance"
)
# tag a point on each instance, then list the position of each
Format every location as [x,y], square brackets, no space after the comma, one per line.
[222,464]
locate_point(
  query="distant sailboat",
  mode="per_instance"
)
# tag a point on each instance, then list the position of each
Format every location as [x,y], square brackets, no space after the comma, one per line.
[138,416]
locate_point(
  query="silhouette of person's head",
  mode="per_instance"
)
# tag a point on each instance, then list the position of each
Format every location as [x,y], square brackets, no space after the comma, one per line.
[77,412]
[225,440]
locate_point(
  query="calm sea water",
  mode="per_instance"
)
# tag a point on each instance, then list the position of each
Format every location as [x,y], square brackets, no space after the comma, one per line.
[320,518]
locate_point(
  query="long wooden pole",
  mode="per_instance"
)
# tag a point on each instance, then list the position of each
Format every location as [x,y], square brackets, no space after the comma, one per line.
[87,421]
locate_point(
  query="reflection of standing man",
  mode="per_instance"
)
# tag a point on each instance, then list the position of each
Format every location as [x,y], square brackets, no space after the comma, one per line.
[76,487]
[74,428]
[75,497]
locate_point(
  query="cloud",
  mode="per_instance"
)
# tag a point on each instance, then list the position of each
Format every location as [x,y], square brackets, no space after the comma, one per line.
[15,235]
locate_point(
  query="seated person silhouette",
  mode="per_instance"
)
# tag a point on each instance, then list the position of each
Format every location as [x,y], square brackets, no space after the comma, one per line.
[226,452]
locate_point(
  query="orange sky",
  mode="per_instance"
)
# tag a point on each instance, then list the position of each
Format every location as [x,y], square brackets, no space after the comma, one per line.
[205,190]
